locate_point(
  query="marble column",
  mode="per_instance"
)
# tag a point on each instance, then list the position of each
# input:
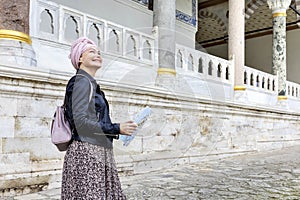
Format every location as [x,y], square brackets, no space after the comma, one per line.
[279,8]
[15,42]
[236,45]
[164,16]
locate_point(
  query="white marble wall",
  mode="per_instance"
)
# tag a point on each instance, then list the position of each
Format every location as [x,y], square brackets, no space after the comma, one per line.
[15,52]
[184,127]
[28,160]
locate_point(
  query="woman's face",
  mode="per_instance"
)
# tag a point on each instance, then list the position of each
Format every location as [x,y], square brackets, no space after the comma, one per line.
[91,58]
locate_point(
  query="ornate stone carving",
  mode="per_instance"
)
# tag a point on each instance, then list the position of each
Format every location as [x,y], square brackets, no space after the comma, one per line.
[279,5]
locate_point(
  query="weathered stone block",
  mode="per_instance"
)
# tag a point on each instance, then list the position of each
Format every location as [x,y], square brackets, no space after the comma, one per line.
[26,179]
[6,110]
[157,143]
[155,165]
[16,52]
[14,158]
[52,166]
[32,127]
[7,125]
[134,147]
[55,182]
[270,145]
[269,125]
[243,139]
[10,171]
[36,107]
[128,158]
[281,125]
[39,148]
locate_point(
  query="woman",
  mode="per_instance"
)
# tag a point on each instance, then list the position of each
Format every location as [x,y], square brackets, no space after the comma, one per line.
[89,170]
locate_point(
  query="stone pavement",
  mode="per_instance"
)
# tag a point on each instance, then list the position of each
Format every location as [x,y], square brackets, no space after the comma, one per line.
[269,175]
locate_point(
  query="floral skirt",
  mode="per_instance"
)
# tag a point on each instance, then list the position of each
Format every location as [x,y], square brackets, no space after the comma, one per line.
[90,172]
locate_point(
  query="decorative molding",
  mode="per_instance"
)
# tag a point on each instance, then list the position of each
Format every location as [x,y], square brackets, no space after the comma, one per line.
[279,5]
[166,71]
[191,20]
[239,88]
[141,6]
[221,41]
[15,35]
[282,98]
[208,14]
[279,14]
[143,2]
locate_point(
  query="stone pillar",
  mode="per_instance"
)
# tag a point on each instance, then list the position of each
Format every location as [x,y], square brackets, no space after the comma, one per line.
[164,16]
[236,46]
[15,42]
[279,8]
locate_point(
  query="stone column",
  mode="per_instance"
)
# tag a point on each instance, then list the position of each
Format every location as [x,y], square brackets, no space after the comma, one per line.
[15,42]
[164,16]
[279,8]
[236,45]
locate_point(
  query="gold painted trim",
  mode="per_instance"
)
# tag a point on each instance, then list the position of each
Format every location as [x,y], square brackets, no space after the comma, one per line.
[279,14]
[239,88]
[15,35]
[282,98]
[166,71]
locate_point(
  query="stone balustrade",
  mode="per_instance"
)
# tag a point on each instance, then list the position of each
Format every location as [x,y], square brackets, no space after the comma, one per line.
[205,65]
[262,81]
[292,89]
[60,24]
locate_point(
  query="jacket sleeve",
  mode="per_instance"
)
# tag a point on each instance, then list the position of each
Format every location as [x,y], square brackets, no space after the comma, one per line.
[107,126]
[84,113]
[113,129]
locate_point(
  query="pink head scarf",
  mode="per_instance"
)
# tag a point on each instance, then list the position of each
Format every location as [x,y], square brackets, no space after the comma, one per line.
[77,48]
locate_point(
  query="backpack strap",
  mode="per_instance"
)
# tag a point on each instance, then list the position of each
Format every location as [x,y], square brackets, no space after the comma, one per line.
[91,92]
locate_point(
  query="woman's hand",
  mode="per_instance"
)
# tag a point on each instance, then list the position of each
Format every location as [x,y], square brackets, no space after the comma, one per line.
[127,128]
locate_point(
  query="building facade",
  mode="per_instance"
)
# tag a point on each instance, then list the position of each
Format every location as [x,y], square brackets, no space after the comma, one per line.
[188,60]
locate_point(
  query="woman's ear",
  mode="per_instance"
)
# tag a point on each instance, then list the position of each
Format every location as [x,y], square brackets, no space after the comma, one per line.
[80,61]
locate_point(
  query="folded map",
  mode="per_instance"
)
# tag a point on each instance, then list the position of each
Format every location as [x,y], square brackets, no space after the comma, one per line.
[139,119]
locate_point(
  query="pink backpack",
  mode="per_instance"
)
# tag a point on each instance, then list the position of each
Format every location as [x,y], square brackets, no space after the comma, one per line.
[61,132]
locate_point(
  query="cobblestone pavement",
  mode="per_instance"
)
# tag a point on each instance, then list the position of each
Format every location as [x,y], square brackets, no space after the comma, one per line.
[271,175]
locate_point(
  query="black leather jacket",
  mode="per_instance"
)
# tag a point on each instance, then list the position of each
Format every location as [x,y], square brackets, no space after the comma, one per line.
[89,118]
